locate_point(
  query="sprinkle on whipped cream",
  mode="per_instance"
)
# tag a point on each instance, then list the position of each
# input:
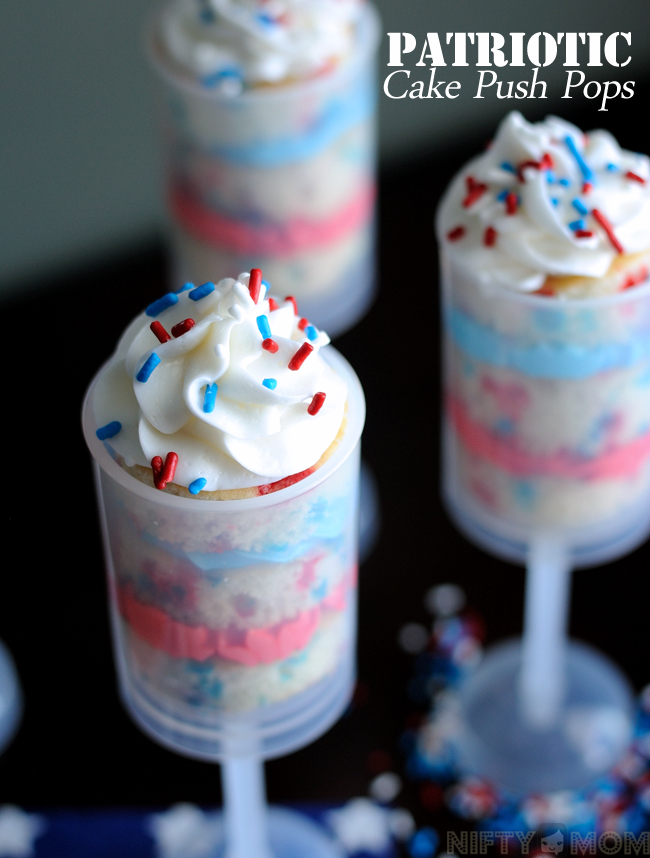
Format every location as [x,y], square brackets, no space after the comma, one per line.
[232,45]
[511,213]
[214,406]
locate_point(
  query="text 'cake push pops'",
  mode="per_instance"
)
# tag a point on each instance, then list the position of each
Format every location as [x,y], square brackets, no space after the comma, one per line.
[226,445]
[545,248]
[268,119]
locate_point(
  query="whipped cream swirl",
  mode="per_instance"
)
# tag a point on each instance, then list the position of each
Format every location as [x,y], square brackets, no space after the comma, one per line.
[546,199]
[230,45]
[255,428]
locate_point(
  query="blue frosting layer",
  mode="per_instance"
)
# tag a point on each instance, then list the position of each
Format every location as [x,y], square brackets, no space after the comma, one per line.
[338,116]
[543,360]
[327,520]
[238,559]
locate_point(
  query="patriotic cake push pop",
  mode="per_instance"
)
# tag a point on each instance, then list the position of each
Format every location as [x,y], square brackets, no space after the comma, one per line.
[268,113]
[545,242]
[231,506]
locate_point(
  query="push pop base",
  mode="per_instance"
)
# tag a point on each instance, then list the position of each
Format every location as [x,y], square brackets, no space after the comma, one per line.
[590,734]
[292,835]
[10,698]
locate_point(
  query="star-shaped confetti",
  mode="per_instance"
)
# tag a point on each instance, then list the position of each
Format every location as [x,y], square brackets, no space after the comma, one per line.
[185,831]
[362,825]
[18,831]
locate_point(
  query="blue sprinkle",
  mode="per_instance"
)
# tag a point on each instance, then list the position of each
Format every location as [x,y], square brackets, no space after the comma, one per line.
[505,426]
[215,689]
[271,383]
[564,182]
[108,431]
[206,15]
[424,843]
[185,288]
[263,325]
[525,493]
[612,167]
[555,201]
[201,291]
[320,591]
[579,206]
[265,19]
[501,197]
[148,367]
[161,304]
[508,167]
[311,332]
[199,667]
[267,284]
[197,485]
[210,398]
[219,76]
[577,224]
[585,169]
[550,177]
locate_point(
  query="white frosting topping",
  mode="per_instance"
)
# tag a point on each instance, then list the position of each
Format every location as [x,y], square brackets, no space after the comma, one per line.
[232,44]
[254,434]
[548,232]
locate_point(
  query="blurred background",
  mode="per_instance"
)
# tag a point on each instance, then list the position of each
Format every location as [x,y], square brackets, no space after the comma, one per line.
[79,171]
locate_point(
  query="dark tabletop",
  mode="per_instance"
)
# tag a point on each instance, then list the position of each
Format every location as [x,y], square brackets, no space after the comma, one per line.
[77,747]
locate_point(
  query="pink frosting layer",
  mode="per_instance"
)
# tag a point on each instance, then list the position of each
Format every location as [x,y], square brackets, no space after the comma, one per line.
[617,462]
[277,239]
[245,646]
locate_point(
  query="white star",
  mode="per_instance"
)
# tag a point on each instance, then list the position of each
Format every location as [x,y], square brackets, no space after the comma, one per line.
[184,831]
[361,825]
[18,831]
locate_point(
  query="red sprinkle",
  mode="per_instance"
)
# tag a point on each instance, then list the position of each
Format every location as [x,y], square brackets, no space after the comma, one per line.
[490,237]
[270,345]
[302,324]
[183,327]
[273,304]
[587,187]
[160,332]
[583,233]
[168,471]
[475,191]
[634,177]
[609,229]
[432,796]
[511,204]
[294,302]
[316,404]
[635,279]
[162,474]
[456,233]
[301,356]
[520,169]
[284,483]
[255,283]
[546,163]
[156,467]
[545,289]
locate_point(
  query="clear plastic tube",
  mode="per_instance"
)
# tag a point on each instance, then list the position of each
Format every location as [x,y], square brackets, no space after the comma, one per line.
[234,622]
[278,177]
[547,417]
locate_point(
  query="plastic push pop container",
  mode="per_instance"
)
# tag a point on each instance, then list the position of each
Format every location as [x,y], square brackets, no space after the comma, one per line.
[547,417]
[275,667]
[281,177]
[546,462]
[10,698]
[545,242]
